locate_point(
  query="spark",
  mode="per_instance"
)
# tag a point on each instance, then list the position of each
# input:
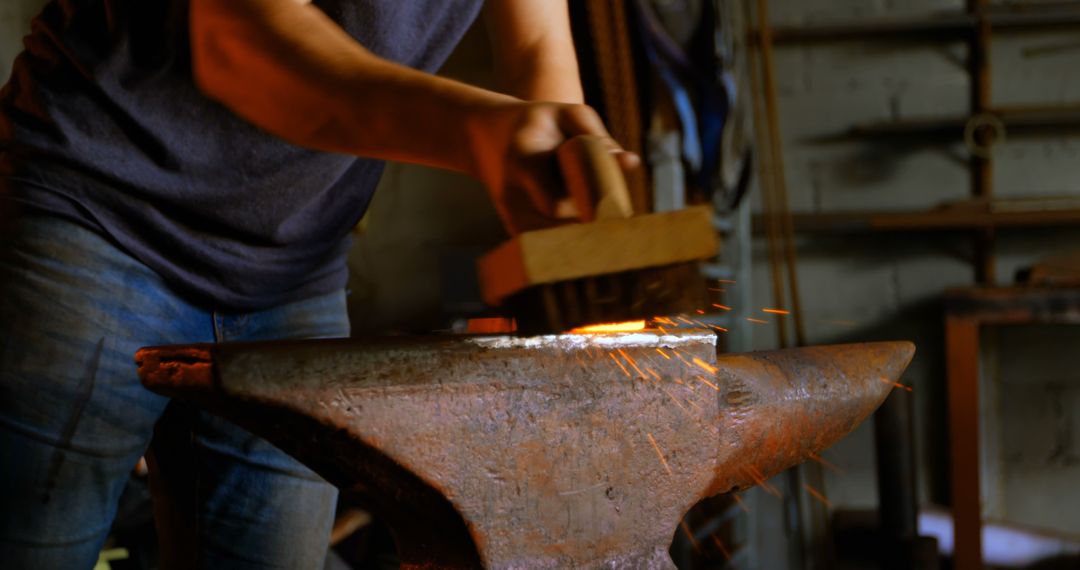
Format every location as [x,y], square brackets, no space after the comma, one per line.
[720,547]
[742,505]
[625,371]
[721,307]
[610,327]
[759,480]
[699,311]
[721,329]
[725,280]
[776,311]
[690,535]
[717,289]
[705,365]
[662,330]
[758,321]
[828,465]
[841,322]
[665,320]
[817,495]
[685,320]
[659,453]
[662,353]
[680,357]
[654,374]
[677,403]
[631,362]
[706,382]
[895,384]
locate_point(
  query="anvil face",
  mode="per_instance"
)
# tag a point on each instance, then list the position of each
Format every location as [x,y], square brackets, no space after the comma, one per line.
[548,452]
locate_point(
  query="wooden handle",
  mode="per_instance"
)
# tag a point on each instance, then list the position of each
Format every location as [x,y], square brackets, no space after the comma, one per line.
[594,179]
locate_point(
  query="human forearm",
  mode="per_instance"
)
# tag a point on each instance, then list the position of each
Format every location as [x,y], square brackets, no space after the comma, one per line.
[287,68]
[292,71]
[533,50]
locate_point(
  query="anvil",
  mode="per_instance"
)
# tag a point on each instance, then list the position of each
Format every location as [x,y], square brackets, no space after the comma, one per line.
[562,451]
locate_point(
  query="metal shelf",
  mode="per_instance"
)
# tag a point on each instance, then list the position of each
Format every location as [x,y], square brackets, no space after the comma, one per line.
[944,25]
[973,215]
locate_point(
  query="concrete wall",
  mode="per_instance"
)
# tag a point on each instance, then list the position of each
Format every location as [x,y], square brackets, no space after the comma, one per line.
[888,286]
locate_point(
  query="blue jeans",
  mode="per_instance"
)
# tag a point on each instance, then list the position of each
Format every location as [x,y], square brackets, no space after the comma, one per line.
[74,418]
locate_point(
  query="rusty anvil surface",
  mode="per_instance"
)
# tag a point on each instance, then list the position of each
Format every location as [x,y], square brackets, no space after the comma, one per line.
[563,451]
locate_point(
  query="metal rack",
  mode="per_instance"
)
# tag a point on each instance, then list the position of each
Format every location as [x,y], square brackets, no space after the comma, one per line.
[974,26]
[982,215]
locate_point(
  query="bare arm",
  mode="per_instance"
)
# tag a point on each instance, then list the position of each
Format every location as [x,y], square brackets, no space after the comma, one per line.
[286,67]
[533,49]
[289,69]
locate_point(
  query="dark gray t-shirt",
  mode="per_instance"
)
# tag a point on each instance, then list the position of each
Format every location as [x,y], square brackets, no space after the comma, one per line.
[101,122]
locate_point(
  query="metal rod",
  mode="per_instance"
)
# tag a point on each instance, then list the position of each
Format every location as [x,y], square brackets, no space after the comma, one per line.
[765,175]
[783,211]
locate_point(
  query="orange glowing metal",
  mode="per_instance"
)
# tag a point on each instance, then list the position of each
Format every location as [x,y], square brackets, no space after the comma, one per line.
[705,366]
[490,325]
[776,311]
[758,321]
[625,371]
[659,453]
[817,495]
[628,326]
[662,353]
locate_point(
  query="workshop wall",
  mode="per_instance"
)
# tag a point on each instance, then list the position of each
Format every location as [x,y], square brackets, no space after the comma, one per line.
[878,286]
[15,16]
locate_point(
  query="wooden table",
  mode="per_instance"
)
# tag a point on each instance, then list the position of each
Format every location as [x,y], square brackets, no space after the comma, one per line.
[967,309]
